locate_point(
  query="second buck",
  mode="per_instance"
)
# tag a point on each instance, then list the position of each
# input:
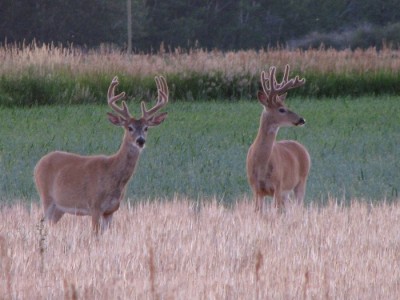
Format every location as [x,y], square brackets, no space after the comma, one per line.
[277,168]
[95,185]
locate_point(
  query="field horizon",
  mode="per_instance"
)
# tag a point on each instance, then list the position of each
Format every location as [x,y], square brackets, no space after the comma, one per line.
[183,249]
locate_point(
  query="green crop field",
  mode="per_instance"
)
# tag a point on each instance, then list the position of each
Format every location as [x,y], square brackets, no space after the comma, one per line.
[200,150]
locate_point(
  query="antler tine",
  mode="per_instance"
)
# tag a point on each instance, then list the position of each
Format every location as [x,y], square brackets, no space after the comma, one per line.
[111,99]
[111,88]
[287,84]
[265,83]
[272,80]
[162,99]
[285,75]
[165,87]
[268,83]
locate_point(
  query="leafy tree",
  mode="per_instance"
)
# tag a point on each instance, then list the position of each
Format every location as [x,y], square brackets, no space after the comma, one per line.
[222,24]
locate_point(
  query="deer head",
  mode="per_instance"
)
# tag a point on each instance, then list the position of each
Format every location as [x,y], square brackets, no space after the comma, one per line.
[136,129]
[273,96]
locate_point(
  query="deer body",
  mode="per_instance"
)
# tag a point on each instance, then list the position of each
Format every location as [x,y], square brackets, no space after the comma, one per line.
[274,168]
[95,185]
[64,180]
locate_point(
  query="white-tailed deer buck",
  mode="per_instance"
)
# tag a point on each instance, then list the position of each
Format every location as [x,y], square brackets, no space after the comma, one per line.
[277,168]
[95,185]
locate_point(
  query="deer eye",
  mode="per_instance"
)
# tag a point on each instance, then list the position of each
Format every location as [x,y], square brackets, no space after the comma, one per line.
[130,129]
[145,129]
[282,110]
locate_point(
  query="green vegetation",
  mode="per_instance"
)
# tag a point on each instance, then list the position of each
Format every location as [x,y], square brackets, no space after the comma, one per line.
[45,75]
[65,89]
[201,148]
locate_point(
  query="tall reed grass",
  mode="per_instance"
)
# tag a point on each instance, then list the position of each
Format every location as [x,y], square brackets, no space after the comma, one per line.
[46,74]
[180,249]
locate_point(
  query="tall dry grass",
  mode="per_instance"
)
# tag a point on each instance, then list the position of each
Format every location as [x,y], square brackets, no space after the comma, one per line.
[182,250]
[47,74]
[46,59]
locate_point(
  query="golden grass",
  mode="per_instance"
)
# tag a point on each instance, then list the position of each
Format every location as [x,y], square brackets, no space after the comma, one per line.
[179,250]
[49,58]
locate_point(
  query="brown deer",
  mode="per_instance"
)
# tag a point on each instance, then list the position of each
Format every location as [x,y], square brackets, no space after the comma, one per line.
[95,185]
[274,168]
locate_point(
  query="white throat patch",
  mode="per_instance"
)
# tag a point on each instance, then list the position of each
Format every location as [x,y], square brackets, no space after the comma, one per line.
[137,147]
[273,130]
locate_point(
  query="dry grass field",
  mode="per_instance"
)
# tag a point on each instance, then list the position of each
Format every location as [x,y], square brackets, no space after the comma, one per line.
[46,59]
[178,249]
[48,74]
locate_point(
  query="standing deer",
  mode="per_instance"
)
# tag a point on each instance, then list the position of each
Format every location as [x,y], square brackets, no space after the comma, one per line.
[277,168]
[95,185]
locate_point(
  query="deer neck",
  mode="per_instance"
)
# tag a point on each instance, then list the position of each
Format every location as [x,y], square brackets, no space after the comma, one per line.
[265,139]
[125,160]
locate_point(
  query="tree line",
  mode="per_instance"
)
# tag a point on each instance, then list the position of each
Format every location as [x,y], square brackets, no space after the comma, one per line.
[209,24]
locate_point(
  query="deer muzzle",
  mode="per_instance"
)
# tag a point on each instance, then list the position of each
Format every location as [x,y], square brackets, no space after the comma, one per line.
[140,141]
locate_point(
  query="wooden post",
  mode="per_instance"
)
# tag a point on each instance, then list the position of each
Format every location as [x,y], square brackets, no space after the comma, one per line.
[129,26]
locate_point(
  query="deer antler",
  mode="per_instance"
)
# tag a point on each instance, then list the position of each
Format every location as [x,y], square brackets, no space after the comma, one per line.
[162,99]
[272,89]
[111,99]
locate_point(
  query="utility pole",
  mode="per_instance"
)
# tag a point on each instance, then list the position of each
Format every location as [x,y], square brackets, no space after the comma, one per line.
[129,14]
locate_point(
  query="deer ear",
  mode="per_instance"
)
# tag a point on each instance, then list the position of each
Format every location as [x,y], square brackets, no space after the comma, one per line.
[116,120]
[262,97]
[157,119]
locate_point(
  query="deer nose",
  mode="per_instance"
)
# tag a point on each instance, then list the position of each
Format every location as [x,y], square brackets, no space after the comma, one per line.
[140,141]
[301,122]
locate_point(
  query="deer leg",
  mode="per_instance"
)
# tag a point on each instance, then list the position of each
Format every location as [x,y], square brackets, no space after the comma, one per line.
[47,201]
[279,200]
[259,200]
[49,208]
[96,221]
[52,213]
[106,222]
[299,192]
[286,198]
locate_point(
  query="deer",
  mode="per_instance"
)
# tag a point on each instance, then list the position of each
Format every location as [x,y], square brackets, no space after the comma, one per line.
[277,168]
[95,185]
